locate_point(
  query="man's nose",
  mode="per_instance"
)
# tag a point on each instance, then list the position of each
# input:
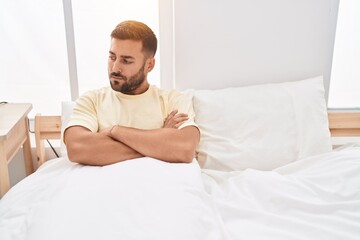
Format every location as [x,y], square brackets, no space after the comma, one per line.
[117,66]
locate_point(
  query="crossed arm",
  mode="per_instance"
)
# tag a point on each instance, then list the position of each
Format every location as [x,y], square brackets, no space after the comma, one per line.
[119,143]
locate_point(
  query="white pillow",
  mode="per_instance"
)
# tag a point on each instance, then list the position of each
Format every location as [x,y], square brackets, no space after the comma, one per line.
[66,111]
[263,126]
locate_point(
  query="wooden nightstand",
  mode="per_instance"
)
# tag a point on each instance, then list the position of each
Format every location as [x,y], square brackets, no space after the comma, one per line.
[14,133]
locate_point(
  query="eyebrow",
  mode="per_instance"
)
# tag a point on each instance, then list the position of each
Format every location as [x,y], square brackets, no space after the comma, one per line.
[122,56]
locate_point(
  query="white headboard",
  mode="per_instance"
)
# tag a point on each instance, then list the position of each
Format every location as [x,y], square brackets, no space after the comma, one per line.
[210,44]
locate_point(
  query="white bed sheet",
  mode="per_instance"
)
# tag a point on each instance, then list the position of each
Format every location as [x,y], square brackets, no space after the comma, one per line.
[136,199]
[314,198]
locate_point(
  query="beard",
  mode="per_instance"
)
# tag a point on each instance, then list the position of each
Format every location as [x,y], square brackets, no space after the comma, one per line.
[129,84]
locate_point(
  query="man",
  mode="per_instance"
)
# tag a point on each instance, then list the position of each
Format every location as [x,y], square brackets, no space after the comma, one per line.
[131,118]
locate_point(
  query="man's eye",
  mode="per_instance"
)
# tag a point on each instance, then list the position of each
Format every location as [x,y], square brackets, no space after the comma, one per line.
[126,61]
[112,58]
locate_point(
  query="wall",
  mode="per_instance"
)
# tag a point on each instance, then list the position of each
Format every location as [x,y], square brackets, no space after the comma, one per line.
[216,44]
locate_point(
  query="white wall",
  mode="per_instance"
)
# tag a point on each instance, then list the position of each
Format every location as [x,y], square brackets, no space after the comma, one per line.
[215,44]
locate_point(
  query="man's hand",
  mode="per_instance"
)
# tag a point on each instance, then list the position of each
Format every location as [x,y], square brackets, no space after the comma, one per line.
[175,119]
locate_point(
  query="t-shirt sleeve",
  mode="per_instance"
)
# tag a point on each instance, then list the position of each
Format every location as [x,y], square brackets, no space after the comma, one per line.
[183,103]
[84,113]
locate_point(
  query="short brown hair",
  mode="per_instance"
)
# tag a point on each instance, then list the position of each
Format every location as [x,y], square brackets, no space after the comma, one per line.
[133,30]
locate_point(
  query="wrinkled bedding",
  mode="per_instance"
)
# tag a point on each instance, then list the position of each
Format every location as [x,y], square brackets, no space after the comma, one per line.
[314,198]
[136,199]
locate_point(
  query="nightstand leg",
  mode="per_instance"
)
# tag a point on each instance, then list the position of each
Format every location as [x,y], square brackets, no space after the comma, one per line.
[4,171]
[29,169]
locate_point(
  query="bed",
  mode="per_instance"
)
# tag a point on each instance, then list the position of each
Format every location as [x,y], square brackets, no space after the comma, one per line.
[265,165]
[251,181]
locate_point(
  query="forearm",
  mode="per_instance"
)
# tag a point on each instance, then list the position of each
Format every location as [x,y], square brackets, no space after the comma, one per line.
[167,144]
[96,149]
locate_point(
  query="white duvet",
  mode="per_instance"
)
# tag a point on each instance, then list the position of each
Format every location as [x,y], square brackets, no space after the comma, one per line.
[314,198]
[136,199]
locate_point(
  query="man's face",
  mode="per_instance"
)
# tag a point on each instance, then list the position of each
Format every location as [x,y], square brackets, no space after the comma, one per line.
[127,67]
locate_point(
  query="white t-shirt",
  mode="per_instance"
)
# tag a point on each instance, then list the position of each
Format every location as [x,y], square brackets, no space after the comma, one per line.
[105,107]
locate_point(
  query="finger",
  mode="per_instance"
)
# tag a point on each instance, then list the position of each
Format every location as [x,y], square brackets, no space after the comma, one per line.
[172,114]
[180,119]
[180,115]
[174,119]
[168,122]
[178,124]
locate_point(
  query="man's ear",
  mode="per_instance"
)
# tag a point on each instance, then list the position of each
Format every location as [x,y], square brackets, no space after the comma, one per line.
[150,64]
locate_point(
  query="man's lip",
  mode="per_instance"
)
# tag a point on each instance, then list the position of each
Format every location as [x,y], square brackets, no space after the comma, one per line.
[117,78]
